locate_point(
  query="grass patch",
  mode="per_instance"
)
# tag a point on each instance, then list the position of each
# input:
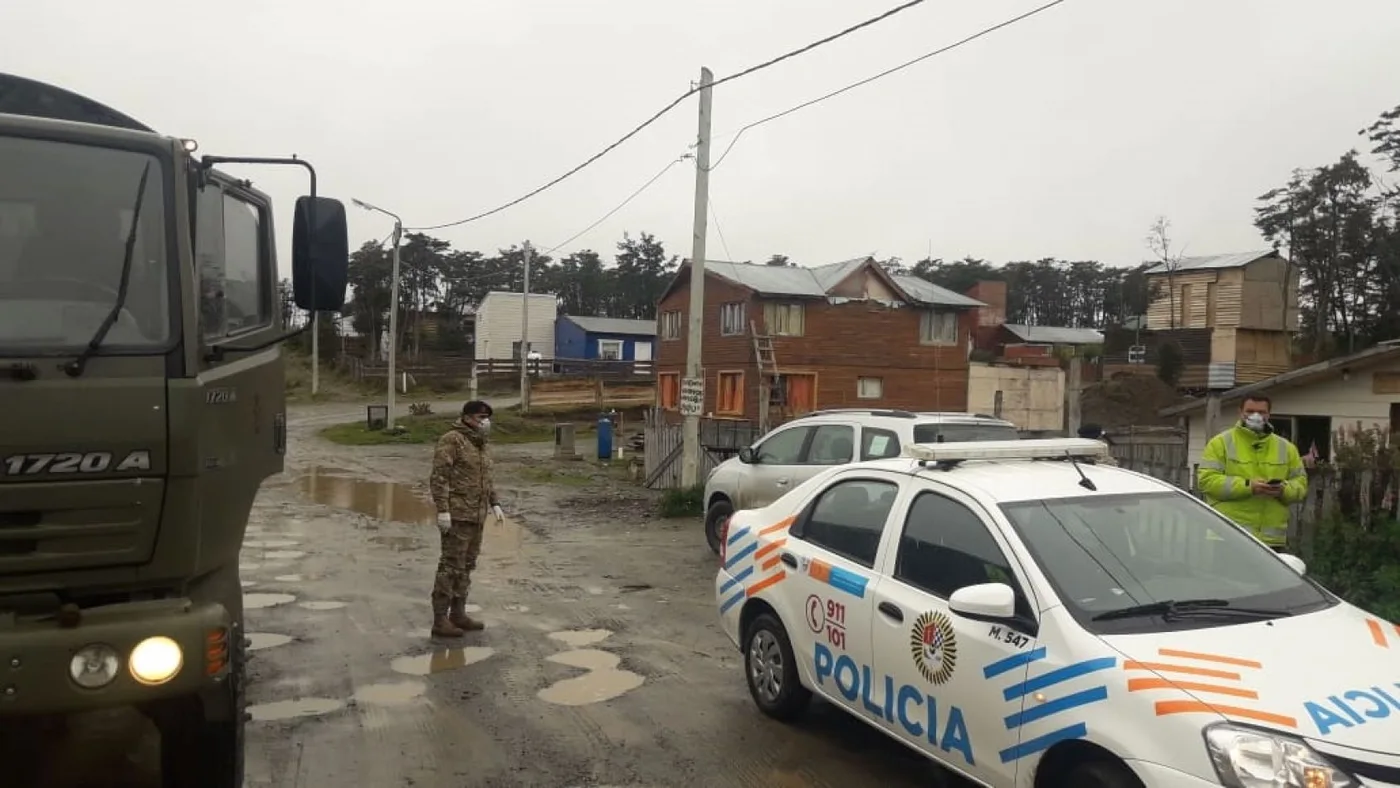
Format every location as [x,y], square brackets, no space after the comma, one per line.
[507,427]
[684,502]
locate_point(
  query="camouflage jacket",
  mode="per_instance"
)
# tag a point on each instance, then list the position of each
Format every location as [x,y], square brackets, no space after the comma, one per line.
[461,478]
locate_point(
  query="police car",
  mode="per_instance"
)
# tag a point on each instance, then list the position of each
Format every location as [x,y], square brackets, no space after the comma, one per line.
[1029,618]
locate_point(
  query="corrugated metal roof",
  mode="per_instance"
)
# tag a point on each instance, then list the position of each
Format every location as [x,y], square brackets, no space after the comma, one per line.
[769,279]
[1218,261]
[1053,335]
[829,276]
[925,292]
[613,325]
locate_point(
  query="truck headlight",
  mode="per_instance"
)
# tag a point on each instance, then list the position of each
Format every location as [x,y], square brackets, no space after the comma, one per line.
[1251,758]
[94,666]
[156,660]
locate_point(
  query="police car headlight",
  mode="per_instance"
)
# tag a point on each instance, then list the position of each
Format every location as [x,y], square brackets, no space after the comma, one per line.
[94,666]
[1249,758]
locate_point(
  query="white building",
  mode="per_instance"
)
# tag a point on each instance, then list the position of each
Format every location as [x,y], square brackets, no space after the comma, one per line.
[498,325]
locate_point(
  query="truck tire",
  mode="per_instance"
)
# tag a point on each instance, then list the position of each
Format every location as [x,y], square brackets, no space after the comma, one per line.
[203,747]
[714,518]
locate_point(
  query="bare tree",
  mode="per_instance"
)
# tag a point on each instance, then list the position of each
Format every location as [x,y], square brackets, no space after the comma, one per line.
[1160,242]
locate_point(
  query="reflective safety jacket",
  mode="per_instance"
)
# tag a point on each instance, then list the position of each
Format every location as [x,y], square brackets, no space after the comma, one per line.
[1236,457]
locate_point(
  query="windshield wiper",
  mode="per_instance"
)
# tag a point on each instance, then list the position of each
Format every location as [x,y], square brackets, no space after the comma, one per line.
[1169,608]
[76,367]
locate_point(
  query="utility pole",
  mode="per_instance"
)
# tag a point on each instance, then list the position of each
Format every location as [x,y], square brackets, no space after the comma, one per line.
[525,337]
[394,325]
[690,433]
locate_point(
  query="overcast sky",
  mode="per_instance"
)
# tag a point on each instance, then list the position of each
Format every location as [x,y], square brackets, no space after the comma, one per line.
[1064,135]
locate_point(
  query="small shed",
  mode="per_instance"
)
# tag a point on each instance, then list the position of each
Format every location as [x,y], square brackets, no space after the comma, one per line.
[604,338]
[499,322]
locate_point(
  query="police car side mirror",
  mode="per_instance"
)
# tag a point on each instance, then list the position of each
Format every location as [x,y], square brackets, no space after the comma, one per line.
[747,455]
[984,602]
[1294,562]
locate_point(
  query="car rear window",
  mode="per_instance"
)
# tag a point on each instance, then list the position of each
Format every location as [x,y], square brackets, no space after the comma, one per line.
[959,433]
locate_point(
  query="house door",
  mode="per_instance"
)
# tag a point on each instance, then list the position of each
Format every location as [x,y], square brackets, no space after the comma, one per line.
[641,353]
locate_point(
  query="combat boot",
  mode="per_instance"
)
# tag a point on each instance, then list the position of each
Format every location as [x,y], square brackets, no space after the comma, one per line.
[459,617]
[444,628]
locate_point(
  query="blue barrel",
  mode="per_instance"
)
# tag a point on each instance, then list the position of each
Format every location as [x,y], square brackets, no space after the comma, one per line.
[605,437]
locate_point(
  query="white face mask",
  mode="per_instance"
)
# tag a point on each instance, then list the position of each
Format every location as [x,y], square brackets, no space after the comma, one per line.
[485,426]
[1255,421]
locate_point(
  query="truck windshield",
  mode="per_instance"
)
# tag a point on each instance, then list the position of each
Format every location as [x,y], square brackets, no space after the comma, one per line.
[65,215]
[1111,552]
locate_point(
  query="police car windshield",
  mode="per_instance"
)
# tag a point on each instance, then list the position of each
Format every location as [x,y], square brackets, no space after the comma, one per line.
[1109,552]
[65,217]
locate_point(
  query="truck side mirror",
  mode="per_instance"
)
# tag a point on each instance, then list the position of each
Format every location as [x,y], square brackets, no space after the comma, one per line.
[320,255]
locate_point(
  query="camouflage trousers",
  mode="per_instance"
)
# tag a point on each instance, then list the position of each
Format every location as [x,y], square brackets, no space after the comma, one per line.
[461,546]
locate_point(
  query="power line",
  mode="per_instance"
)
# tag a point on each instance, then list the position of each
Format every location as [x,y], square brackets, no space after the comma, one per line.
[622,204]
[715,216]
[882,74]
[696,89]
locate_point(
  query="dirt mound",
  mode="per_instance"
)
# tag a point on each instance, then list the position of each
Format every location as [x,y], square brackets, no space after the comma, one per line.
[1126,400]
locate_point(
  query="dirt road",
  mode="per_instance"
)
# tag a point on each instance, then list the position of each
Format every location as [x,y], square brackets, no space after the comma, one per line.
[601,663]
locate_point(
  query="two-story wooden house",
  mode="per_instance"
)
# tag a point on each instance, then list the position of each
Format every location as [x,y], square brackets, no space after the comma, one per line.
[848,334]
[1242,307]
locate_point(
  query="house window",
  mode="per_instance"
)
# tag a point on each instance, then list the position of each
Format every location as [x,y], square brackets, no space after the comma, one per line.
[795,393]
[671,325]
[729,400]
[731,319]
[870,388]
[610,349]
[783,320]
[668,388]
[515,349]
[938,328]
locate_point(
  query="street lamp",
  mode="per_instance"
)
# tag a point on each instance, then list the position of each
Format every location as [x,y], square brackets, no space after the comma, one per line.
[393,305]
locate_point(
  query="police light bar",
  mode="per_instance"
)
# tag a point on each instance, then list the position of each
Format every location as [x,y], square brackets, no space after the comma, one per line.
[1037,449]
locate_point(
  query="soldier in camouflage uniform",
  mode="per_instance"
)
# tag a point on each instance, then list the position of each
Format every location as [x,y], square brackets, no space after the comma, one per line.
[464,494]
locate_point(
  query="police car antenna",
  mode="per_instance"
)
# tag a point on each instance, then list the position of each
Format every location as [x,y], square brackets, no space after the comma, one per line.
[1084,480]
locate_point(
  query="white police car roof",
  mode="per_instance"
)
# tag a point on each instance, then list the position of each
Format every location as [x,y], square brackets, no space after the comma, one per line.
[1011,471]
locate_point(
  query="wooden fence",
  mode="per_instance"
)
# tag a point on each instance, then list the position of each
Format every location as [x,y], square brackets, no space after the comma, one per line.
[575,393]
[720,439]
[567,367]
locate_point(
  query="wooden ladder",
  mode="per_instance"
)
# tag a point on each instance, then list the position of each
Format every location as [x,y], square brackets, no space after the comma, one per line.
[768,377]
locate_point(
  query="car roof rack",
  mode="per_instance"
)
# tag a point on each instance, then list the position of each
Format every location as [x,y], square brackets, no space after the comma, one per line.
[893,414]
[948,455]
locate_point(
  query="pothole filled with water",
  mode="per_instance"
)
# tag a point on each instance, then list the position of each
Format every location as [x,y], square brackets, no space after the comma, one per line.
[323,605]
[257,641]
[259,601]
[441,660]
[581,637]
[390,694]
[291,709]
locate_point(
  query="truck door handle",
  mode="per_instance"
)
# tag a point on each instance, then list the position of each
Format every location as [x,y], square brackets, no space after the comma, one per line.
[789,560]
[891,610]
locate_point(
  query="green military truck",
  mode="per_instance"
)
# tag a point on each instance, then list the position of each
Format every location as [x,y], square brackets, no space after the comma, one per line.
[142,405]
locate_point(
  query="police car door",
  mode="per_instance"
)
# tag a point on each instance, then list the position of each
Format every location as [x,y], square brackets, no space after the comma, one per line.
[944,674]
[830,555]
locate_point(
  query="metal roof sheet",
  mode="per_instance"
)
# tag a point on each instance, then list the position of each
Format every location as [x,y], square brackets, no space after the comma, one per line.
[829,276]
[613,325]
[1053,335]
[926,292]
[1218,261]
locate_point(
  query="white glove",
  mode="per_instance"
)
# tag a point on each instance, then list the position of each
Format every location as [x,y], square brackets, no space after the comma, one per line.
[444,522]
[499,512]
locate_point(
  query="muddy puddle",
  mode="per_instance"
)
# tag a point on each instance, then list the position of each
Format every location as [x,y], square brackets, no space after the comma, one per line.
[390,693]
[260,601]
[441,660]
[323,605]
[396,503]
[603,681]
[258,641]
[581,637]
[291,709]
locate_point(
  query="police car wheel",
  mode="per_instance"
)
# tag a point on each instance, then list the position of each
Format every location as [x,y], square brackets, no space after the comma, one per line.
[771,670]
[1102,774]
[714,518]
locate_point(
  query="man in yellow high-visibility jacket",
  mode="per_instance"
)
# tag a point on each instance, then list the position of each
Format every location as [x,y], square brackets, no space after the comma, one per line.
[1252,476]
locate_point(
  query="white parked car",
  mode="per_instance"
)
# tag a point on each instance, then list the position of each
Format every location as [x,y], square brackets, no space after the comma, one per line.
[806,446]
[1028,618]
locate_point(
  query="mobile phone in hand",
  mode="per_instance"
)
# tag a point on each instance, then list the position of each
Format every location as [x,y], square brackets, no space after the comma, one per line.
[1275,482]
